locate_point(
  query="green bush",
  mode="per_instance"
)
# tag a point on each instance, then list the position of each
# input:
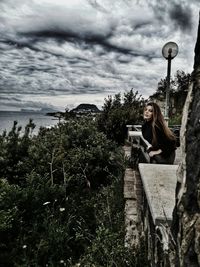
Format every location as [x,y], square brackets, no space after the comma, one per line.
[107,247]
[175,119]
[118,112]
[61,198]
[49,189]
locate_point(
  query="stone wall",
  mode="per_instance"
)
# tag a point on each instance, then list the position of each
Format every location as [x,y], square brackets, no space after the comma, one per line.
[133,203]
[186,218]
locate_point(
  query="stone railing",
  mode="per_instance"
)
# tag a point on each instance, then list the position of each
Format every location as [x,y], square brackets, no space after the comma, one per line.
[152,201]
[158,184]
[138,143]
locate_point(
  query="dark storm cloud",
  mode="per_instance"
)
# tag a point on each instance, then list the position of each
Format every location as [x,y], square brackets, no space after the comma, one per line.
[18,102]
[7,98]
[83,39]
[73,37]
[18,44]
[60,50]
[84,28]
[182,16]
[176,12]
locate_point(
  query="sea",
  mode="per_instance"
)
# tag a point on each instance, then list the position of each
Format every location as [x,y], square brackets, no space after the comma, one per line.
[7,119]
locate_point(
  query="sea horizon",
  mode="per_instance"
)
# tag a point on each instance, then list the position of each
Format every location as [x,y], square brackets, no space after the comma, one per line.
[41,119]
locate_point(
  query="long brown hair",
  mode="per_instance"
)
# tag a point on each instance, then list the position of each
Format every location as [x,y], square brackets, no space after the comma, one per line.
[159,122]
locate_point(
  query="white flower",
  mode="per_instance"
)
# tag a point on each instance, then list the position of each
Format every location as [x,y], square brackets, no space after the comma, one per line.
[24,246]
[61,261]
[46,203]
[62,209]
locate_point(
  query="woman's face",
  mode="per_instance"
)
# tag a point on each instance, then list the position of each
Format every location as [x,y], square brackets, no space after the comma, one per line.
[148,113]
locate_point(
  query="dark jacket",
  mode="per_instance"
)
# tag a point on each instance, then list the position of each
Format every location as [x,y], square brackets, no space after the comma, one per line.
[165,144]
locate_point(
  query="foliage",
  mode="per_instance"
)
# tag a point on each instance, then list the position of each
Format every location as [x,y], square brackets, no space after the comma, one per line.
[118,112]
[175,120]
[107,248]
[179,83]
[14,151]
[61,197]
[178,92]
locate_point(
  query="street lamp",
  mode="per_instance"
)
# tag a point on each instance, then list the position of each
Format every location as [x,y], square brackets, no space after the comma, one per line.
[169,51]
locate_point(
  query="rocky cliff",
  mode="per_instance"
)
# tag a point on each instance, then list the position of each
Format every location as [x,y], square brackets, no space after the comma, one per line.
[185,250]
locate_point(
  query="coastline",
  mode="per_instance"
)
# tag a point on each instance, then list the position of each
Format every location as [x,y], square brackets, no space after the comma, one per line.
[7,119]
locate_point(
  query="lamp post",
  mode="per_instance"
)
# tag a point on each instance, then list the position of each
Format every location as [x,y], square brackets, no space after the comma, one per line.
[169,51]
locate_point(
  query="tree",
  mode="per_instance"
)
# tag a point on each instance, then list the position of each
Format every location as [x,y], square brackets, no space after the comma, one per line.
[178,92]
[118,112]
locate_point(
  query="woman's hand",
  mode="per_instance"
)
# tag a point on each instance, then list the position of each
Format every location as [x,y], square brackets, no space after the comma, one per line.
[153,153]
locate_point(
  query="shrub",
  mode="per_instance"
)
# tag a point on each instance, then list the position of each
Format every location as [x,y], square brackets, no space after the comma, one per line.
[48,214]
[117,113]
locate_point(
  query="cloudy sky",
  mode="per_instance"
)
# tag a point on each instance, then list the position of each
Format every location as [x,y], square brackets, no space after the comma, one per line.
[66,52]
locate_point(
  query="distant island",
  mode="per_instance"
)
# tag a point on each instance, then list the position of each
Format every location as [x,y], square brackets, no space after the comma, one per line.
[85,108]
[80,110]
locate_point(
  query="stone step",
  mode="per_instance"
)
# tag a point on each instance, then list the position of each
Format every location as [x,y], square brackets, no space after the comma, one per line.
[131,207]
[129,175]
[129,193]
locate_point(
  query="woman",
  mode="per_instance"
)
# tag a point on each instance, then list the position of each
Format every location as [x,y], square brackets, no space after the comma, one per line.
[155,131]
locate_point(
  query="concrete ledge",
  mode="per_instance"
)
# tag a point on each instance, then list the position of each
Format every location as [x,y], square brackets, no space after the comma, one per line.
[159,183]
[134,134]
